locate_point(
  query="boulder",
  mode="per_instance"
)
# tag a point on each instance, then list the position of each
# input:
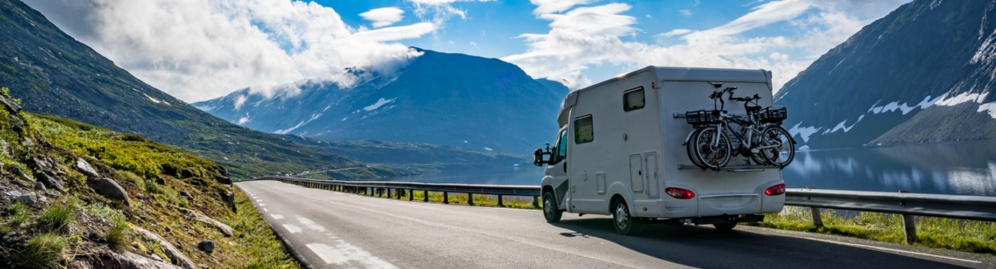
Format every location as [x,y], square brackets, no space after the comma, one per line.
[224,228]
[206,246]
[39,186]
[52,182]
[28,199]
[10,105]
[84,167]
[132,260]
[110,189]
[16,123]
[17,172]
[171,251]
[186,195]
[28,142]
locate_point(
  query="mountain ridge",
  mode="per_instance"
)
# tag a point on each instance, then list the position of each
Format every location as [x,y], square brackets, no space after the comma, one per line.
[449,99]
[888,85]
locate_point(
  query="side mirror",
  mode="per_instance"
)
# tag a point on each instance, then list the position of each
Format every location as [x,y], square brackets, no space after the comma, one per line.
[538,159]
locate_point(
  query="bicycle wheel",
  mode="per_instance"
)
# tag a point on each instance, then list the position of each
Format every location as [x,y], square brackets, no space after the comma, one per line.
[777,147]
[755,152]
[690,148]
[712,156]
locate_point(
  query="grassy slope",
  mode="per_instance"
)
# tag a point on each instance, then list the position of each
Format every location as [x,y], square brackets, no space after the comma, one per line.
[83,225]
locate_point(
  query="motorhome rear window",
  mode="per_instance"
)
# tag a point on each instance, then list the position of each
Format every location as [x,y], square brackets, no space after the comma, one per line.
[633,99]
[584,130]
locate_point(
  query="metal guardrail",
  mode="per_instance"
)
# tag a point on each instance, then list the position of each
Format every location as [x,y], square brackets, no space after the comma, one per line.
[908,204]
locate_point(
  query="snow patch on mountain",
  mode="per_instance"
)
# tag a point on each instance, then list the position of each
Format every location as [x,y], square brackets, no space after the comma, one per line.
[842,126]
[803,132]
[989,108]
[154,100]
[963,98]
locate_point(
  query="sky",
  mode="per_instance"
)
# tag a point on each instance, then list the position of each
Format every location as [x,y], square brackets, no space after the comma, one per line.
[201,49]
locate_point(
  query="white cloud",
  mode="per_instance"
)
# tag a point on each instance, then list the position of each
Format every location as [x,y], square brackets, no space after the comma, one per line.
[438,11]
[201,49]
[384,16]
[554,6]
[685,12]
[591,36]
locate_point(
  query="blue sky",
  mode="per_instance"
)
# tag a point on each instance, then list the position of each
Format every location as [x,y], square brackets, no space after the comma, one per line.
[201,49]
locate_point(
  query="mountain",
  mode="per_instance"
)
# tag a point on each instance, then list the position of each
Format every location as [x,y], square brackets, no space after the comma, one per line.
[55,74]
[923,73]
[437,98]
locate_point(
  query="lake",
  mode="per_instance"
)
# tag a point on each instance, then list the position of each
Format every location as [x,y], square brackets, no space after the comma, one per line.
[964,168]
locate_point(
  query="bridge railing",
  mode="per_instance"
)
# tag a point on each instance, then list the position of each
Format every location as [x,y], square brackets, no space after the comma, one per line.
[907,204]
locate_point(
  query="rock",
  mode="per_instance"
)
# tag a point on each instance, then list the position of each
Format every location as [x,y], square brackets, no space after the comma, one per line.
[28,142]
[84,167]
[224,228]
[17,172]
[229,199]
[52,182]
[223,180]
[39,186]
[28,199]
[141,196]
[171,251]
[16,123]
[21,184]
[132,260]
[10,105]
[206,246]
[186,195]
[110,189]
[7,150]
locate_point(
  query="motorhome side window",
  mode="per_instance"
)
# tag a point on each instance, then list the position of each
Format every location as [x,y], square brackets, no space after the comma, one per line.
[561,152]
[584,130]
[633,99]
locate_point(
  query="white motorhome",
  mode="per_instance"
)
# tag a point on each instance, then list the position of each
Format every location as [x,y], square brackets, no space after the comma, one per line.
[621,151]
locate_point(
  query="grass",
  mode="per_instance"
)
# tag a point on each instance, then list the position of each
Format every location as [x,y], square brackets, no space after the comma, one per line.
[19,214]
[45,250]
[254,239]
[57,218]
[961,235]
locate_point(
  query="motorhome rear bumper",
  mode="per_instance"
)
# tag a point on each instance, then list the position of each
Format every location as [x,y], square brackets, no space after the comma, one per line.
[727,219]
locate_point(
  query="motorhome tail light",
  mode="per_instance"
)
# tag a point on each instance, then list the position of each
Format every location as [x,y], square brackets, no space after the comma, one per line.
[775,190]
[680,193]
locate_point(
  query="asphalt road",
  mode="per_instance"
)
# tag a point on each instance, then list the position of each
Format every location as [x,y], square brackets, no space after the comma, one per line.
[340,230]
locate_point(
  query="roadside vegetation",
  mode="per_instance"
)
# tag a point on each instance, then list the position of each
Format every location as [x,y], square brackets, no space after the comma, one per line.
[138,202]
[961,235]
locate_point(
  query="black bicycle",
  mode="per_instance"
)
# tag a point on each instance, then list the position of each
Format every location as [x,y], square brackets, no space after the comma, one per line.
[759,136]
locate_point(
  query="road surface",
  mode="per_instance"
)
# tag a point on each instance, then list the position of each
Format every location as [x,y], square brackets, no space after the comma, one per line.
[330,229]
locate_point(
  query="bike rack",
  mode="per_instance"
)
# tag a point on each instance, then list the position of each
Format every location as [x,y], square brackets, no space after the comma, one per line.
[731,168]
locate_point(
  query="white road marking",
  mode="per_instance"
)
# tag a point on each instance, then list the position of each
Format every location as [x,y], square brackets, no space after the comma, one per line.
[893,250]
[266,210]
[292,228]
[275,216]
[346,255]
[262,204]
[310,224]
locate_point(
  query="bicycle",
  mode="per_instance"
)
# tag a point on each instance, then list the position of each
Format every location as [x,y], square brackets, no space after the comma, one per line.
[760,136]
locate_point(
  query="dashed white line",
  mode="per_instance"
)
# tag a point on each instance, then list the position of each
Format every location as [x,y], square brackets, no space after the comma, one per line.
[266,210]
[262,204]
[346,255]
[275,216]
[893,250]
[292,228]
[310,224]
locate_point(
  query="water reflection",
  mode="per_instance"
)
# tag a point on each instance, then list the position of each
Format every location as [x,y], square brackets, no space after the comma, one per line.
[966,168]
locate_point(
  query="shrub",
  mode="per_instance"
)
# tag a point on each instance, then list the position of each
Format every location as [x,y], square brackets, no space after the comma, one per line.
[43,251]
[117,237]
[18,214]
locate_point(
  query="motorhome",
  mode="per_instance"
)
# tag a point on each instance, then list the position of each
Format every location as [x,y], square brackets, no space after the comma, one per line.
[621,151]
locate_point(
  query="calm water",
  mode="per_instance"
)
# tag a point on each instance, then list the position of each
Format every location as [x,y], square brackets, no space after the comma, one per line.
[965,168]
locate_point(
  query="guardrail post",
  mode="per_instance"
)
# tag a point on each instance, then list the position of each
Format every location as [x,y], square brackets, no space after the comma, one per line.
[536,201]
[398,193]
[500,204]
[411,195]
[425,196]
[446,197]
[470,198]
[909,225]
[817,219]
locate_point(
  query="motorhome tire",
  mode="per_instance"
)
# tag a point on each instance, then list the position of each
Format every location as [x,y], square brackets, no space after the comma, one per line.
[623,222]
[551,211]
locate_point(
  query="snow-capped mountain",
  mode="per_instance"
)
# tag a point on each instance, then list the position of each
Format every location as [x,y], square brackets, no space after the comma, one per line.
[438,98]
[923,73]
